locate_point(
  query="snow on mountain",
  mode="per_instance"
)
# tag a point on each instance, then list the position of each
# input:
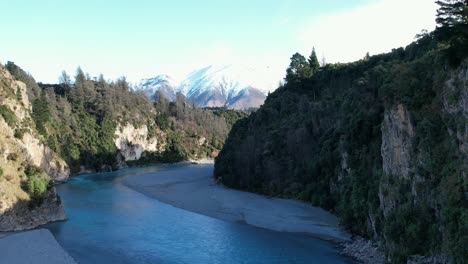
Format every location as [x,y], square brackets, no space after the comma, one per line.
[163,83]
[212,86]
[220,78]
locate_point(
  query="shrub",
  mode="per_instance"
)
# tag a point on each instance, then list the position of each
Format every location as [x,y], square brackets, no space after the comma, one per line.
[12,156]
[8,115]
[1,172]
[37,185]
[19,133]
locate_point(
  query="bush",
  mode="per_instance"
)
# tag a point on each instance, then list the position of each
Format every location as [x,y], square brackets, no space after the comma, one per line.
[19,133]
[13,156]
[37,182]
[37,185]
[8,115]
[1,172]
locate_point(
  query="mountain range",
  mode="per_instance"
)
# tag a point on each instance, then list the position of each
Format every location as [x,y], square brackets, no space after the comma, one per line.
[211,86]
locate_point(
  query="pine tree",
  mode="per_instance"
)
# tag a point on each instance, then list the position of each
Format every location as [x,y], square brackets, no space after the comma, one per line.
[78,92]
[452,27]
[313,62]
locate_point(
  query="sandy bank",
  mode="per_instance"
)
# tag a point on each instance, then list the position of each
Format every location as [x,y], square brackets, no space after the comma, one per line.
[193,189]
[33,247]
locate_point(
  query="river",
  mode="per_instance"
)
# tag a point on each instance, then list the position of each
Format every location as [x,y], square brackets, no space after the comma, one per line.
[111,223]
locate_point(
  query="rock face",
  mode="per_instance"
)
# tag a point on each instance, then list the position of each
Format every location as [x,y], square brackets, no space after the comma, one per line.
[132,141]
[21,147]
[20,216]
[397,131]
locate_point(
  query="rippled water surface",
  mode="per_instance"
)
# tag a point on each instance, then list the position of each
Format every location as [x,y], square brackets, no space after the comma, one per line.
[110,223]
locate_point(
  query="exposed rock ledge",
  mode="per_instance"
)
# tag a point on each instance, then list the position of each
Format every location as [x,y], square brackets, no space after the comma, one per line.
[21,217]
[133,141]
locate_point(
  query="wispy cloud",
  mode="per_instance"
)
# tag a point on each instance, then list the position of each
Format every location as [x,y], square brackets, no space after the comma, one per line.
[375,28]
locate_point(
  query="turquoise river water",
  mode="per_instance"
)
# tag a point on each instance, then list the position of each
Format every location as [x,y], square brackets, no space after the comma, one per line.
[111,223]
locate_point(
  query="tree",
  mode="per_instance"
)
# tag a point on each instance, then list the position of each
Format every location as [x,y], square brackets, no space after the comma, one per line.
[452,14]
[64,79]
[78,92]
[313,62]
[367,56]
[298,69]
[452,27]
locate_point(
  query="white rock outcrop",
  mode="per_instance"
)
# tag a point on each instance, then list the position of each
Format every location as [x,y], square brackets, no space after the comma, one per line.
[133,141]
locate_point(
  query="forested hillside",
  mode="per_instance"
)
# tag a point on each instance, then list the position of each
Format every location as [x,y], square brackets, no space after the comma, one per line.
[100,125]
[382,142]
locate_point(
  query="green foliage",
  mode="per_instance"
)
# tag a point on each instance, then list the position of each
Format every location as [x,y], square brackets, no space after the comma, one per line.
[41,114]
[19,133]
[298,69]
[313,62]
[452,21]
[162,121]
[230,116]
[407,228]
[1,172]
[185,125]
[37,183]
[20,75]
[8,115]
[321,142]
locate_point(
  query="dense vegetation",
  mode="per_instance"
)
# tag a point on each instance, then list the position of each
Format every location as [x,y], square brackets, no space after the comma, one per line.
[319,138]
[78,121]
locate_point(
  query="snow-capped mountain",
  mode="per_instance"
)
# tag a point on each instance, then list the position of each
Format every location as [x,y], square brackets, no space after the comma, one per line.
[163,83]
[212,86]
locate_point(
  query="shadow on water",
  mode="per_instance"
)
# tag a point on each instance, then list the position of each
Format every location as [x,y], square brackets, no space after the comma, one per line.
[110,223]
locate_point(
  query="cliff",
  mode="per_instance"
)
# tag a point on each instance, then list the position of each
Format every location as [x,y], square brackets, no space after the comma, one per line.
[28,168]
[132,142]
[381,142]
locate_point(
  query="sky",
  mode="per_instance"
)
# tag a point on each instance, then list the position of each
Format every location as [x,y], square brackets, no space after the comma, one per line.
[144,38]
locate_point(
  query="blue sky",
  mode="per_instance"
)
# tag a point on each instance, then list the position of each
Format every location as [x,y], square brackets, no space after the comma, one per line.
[140,39]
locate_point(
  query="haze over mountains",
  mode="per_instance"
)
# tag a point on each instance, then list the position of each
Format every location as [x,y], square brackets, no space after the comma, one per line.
[211,86]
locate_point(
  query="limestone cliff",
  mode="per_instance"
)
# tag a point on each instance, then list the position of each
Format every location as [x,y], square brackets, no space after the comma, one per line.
[21,148]
[132,142]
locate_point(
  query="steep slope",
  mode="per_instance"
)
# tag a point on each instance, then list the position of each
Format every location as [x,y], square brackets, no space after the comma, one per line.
[381,142]
[28,168]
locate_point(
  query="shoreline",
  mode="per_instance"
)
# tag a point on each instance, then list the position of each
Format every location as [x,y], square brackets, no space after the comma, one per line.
[198,192]
[190,161]
[202,195]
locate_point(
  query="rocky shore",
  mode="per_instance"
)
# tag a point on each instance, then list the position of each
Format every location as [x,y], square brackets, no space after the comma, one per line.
[363,250]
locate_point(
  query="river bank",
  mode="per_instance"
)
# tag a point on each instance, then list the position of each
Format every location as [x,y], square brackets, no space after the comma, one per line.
[193,189]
